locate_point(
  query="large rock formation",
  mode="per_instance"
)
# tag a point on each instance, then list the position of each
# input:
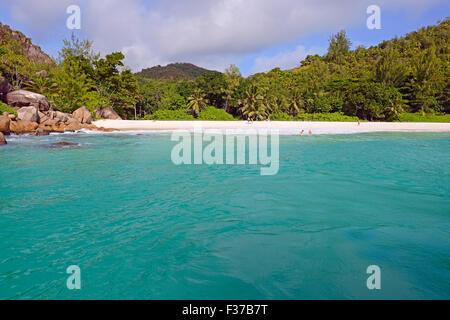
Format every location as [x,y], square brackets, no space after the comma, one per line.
[107,113]
[31,51]
[83,115]
[24,98]
[28,114]
[4,123]
[2,139]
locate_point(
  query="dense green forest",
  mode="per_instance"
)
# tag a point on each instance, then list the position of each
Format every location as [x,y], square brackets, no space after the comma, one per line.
[403,75]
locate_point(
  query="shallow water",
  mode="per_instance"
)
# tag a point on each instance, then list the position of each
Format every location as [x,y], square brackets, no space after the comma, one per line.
[140,227]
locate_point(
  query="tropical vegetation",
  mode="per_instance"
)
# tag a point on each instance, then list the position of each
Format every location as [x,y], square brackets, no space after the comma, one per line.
[403,79]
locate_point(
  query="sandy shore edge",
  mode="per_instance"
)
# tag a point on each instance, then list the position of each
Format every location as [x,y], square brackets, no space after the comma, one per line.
[292,127]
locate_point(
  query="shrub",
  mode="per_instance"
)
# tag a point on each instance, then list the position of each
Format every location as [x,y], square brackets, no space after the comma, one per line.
[418,117]
[280,116]
[93,99]
[214,114]
[5,108]
[336,117]
[169,115]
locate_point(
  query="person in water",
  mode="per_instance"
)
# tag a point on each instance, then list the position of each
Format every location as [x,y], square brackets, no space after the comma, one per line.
[301,132]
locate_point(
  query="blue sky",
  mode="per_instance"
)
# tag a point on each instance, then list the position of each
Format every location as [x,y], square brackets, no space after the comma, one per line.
[256,35]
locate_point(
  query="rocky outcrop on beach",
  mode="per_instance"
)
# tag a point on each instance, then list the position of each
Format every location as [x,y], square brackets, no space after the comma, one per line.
[31,121]
[107,113]
[35,117]
[24,98]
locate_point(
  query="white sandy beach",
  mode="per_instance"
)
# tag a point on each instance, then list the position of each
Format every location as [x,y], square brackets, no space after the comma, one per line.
[284,127]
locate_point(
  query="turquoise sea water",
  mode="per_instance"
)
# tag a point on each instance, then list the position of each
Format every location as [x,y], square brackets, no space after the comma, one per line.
[140,227]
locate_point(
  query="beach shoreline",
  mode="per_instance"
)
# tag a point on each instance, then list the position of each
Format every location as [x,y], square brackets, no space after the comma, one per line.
[286,127]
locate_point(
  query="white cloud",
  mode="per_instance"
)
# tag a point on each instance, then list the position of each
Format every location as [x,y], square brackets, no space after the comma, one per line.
[284,60]
[212,33]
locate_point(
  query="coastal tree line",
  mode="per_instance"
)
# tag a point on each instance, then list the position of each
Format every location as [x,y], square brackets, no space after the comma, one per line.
[402,75]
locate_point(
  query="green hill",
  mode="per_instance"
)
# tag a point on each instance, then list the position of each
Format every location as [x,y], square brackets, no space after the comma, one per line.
[173,72]
[19,59]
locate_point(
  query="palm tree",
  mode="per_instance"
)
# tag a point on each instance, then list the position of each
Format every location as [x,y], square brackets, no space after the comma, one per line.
[41,84]
[390,70]
[275,103]
[295,102]
[393,112]
[197,102]
[254,106]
